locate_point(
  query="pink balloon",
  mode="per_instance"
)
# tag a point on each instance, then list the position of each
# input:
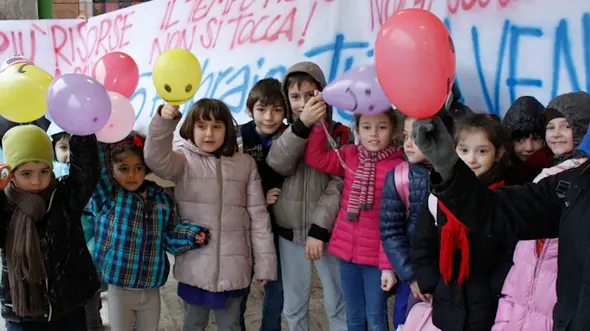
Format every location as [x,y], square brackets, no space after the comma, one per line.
[415,62]
[121,121]
[117,72]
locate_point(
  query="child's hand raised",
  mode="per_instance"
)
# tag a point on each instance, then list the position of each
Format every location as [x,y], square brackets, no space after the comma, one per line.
[170,112]
[5,175]
[314,110]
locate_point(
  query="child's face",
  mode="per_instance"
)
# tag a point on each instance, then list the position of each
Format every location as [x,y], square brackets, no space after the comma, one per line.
[477,151]
[268,118]
[299,95]
[559,136]
[129,172]
[32,177]
[375,132]
[413,153]
[62,150]
[209,135]
[527,146]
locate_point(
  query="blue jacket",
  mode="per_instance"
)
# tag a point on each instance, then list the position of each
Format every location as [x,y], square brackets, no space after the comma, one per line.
[396,228]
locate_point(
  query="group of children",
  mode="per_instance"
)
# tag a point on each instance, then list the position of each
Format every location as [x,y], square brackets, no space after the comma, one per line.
[269,201]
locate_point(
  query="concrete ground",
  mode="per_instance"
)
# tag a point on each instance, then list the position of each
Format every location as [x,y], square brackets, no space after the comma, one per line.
[172,309]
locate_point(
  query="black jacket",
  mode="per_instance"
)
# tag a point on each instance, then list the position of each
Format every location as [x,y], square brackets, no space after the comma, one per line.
[72,278]
[395,226]
[473,305]
[252,144]
[557,206]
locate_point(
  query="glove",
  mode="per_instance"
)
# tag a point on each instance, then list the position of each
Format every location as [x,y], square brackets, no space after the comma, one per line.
[436,143]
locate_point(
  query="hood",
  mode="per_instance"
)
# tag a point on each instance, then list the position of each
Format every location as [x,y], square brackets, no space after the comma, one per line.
[524,117]
[316,73]
[585,144]
[53,129]
[575,107]
[180,144]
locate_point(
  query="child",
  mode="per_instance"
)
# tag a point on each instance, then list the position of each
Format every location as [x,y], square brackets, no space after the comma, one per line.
[524,123]
[266,107]
[529,294]
[61,147]
[355,238]
[136,223]
[403,195]
[555,207]
[308,204]
[221,190]
[48,274]
[464,286]
[61,167]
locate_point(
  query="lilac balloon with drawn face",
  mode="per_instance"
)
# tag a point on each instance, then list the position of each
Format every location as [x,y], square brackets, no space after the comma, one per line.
[358,91]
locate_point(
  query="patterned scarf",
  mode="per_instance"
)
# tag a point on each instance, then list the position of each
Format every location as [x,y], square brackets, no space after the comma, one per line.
[453,238]
[362,192]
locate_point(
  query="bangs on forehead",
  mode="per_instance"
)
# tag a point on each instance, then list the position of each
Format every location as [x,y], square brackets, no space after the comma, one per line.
[465,132]
[271,100]
[208,114]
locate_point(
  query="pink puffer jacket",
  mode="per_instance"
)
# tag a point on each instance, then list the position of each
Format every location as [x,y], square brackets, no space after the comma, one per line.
[529,293]
[223,195]
[355,241]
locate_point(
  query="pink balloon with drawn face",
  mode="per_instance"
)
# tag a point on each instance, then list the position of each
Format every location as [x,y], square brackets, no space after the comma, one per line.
[358,91]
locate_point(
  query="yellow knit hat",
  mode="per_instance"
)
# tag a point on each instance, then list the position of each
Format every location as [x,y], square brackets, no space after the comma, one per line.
[27,143]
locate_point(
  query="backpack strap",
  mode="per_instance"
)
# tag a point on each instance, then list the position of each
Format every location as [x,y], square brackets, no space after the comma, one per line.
[402,183]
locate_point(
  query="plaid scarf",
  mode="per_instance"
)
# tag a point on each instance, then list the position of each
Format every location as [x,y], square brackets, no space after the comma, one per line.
[362,192]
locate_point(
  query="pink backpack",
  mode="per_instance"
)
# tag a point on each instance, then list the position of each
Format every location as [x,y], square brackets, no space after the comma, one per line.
[420,318]
[402,183]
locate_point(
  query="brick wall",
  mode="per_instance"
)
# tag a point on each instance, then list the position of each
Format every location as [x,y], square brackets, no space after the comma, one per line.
[66,8]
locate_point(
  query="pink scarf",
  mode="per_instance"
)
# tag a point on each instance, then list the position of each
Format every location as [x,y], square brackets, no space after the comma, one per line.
[362,192]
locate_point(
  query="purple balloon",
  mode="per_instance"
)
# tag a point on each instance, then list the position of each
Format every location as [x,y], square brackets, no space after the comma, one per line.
[78,104]
[358,91]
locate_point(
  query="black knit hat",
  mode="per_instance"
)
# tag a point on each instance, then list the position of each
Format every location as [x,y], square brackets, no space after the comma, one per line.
[524,118]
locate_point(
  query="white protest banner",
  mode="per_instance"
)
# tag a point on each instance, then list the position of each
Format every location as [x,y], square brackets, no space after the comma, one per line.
[505,48]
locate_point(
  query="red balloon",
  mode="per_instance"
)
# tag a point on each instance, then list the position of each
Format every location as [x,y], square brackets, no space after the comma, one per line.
[117,72]
[415,62]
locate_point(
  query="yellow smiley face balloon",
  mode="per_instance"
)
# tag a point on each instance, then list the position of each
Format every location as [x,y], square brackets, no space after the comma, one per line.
[23,92]
[177,75]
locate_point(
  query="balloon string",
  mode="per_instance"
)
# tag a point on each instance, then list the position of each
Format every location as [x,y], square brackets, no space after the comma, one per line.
[334,146]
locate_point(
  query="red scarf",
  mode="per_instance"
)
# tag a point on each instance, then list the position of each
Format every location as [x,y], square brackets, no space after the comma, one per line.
[453,238]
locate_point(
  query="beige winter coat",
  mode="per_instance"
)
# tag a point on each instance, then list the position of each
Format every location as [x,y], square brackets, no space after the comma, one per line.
[223,195]
[307,196]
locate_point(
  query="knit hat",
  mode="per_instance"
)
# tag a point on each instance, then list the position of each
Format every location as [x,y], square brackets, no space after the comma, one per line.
[575,107]
[524,118]
[27,143]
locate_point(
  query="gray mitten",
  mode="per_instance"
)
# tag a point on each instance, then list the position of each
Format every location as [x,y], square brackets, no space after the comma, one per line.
[433,139]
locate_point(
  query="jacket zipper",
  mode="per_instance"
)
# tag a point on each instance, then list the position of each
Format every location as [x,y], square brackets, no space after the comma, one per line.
[218,260]
[143,241]
[49,316]
[535,274]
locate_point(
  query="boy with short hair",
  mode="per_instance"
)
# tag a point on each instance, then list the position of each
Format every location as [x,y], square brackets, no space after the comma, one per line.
[308,204]
[266,107]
